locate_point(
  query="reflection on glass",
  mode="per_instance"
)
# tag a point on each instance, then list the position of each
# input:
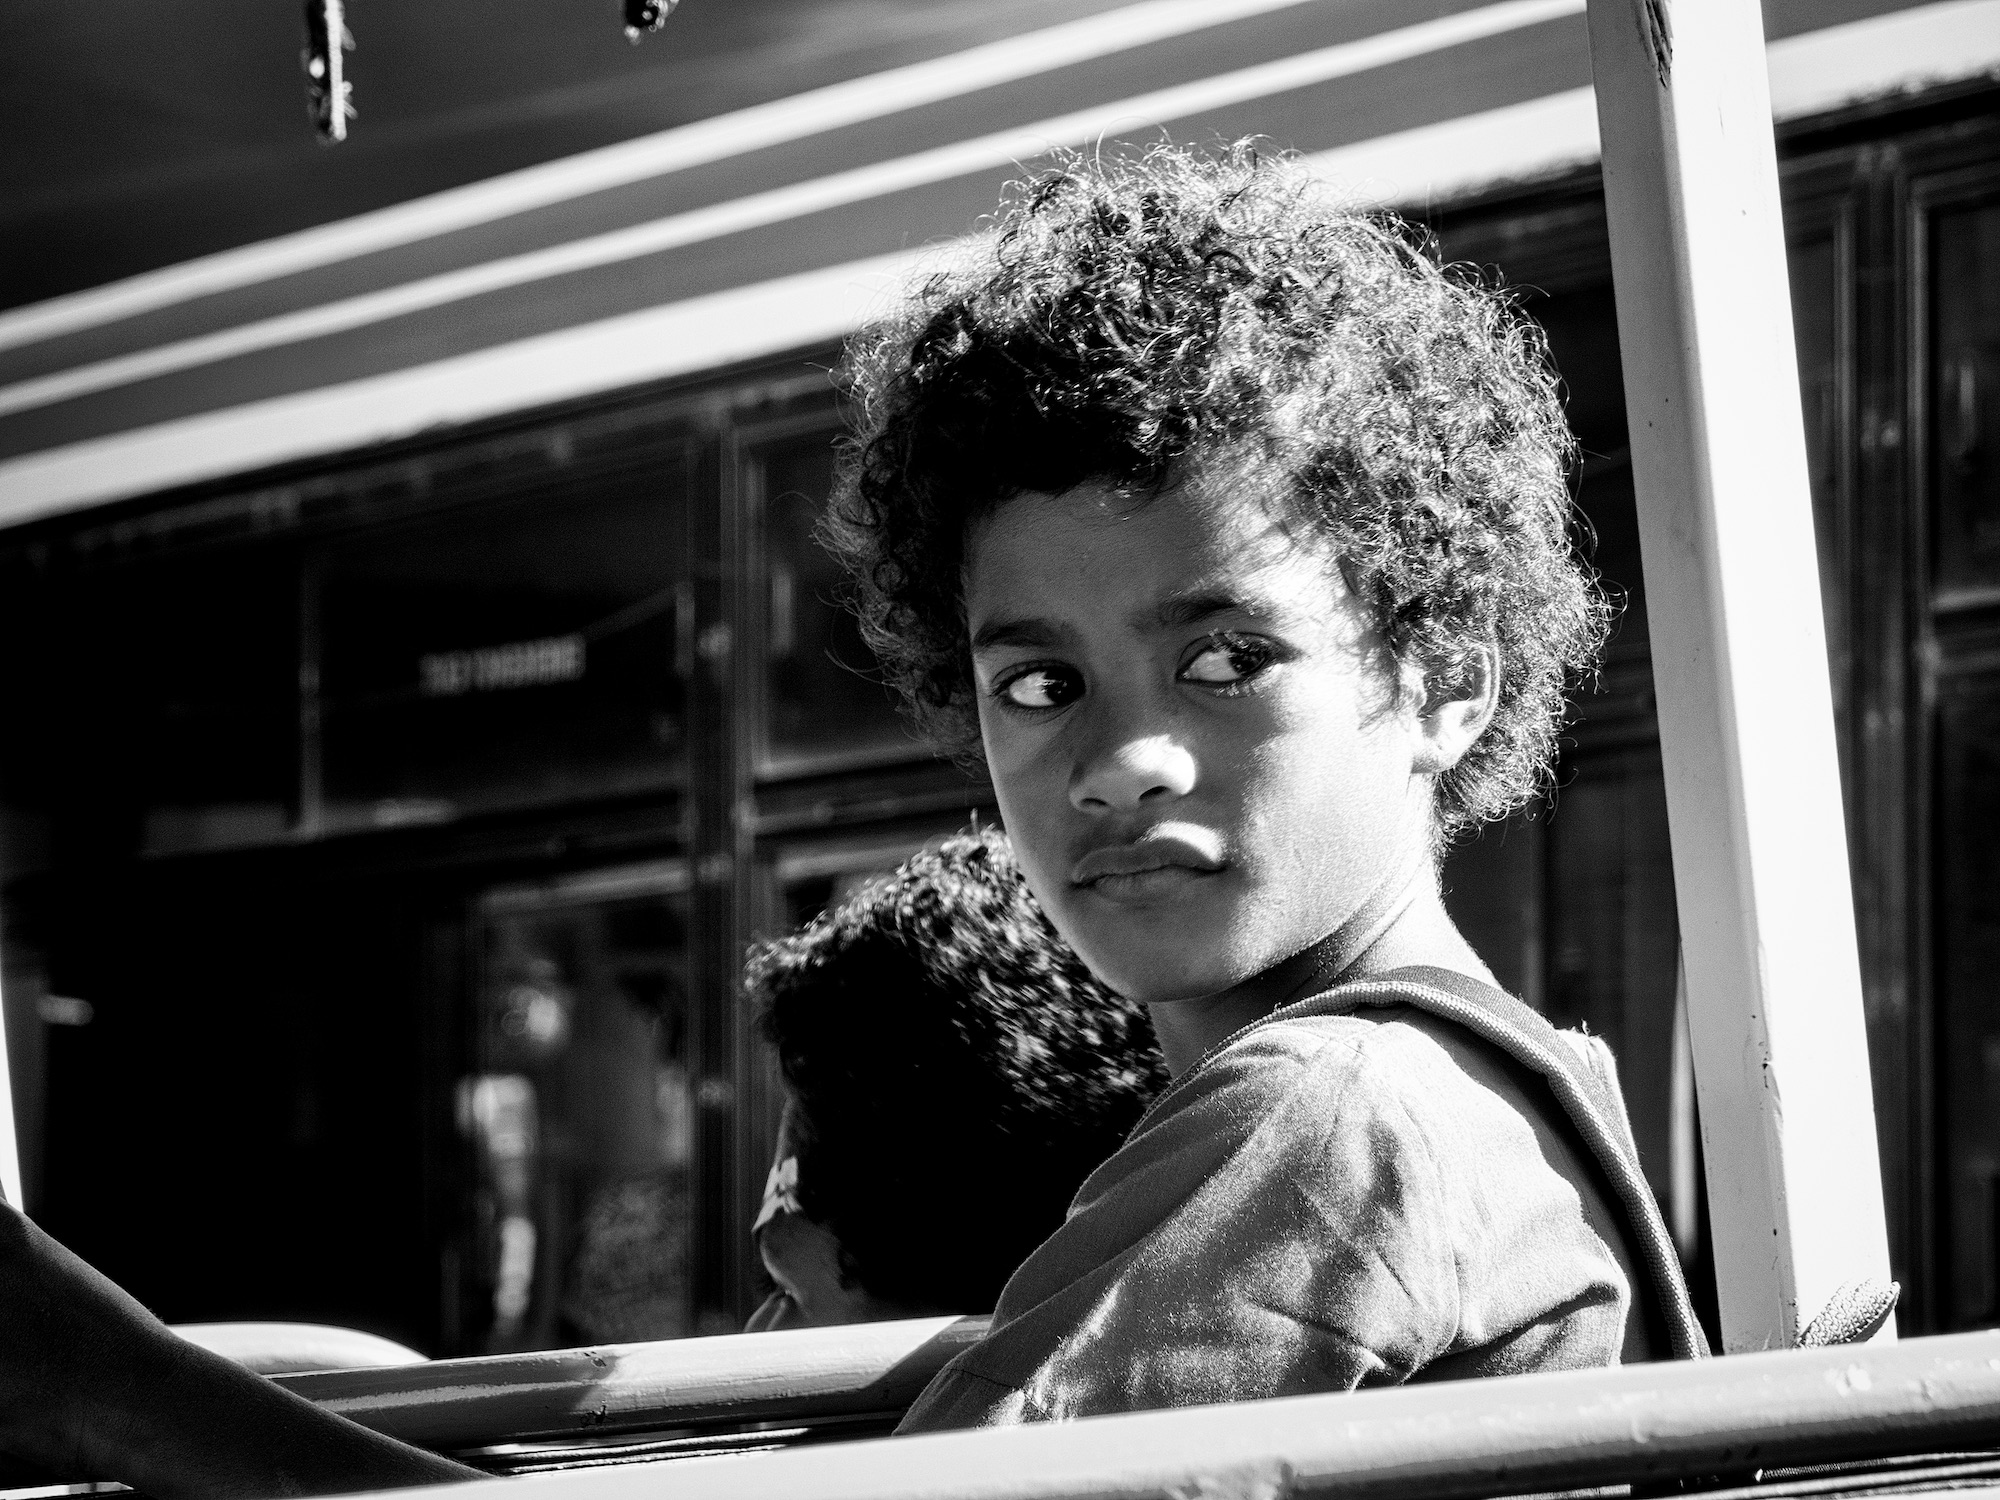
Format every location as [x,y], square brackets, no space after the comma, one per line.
[1816,320]
[1965,398]
[580,1120]
[509,657]
[824,703]
[1968,949]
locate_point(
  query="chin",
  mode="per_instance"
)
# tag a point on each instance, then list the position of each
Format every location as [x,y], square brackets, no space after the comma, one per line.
[1178,961]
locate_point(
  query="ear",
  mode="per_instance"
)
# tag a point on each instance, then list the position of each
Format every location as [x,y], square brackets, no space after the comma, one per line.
[1452,715]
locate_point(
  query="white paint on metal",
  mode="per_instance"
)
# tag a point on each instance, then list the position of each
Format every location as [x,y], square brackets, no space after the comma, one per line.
[1567,1430]
[795,1375]
[737,133]
[287,1348]
[1683,1133]
[1939,41]
[1873,58]
[760,210]
[1739,663]
[1433,163]
[1816,71]
[10,1143]
[1902,52]
[681,338]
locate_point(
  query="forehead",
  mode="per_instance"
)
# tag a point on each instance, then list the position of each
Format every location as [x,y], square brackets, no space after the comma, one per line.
[1093,550]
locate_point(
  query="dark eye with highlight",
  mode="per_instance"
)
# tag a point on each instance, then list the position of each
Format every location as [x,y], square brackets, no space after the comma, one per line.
[1040,688]
[1227,660]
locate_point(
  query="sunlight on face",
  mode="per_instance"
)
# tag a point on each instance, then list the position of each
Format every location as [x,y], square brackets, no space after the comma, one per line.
[1193,730]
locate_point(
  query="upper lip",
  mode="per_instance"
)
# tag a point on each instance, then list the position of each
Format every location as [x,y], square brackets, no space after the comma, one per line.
[1150,851]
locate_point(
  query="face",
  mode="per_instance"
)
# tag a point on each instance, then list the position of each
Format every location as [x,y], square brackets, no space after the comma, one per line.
[802,1256]
[1197,738]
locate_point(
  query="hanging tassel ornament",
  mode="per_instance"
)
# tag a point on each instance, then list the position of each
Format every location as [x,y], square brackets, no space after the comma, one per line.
[642,16]
[329,96]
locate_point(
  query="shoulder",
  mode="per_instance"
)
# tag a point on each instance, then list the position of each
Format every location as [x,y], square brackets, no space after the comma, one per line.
[1328,1110]
[1349,1112]
[1319,1071]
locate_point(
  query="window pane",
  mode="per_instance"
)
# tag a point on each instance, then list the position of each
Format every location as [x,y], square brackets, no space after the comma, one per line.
[1965,398]
[1817,293]
[1968,941]
[824,702]
[164,702]
[580,1116]
[509,657]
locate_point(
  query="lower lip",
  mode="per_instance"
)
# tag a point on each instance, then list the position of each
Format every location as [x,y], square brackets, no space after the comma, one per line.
[1147,885]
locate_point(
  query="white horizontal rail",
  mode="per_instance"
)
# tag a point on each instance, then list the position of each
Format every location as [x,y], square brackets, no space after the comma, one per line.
[1816,71]
[1577,1429]
[806,1374]
[737,133]
[10,1144]
[796,200]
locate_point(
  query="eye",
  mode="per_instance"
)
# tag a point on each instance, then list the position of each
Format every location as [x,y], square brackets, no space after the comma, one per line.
[1227,660]
[1041,688]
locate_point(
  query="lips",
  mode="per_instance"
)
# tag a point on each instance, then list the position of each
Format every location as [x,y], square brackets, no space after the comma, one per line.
[1160,851]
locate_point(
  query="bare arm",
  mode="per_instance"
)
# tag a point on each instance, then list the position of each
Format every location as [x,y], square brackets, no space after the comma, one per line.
[92,1385]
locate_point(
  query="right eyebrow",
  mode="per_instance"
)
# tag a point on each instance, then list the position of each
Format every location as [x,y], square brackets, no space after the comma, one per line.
[1016,632]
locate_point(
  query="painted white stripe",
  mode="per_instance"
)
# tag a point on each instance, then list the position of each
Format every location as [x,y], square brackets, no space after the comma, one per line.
[702,333]
[1818,71]
[1435,163]
[1810,74]
[1899,53]
[734,134]
[759,209]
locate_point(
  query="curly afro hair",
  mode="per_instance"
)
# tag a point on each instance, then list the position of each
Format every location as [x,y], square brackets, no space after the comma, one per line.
[1125,321]
[958,1071]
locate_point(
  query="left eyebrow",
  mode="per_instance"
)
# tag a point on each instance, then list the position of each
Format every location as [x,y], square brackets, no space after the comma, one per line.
[1035,634]
[1178,611]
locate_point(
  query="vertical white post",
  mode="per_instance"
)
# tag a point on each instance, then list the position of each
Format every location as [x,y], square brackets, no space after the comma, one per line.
[10,1148]
[1739,659]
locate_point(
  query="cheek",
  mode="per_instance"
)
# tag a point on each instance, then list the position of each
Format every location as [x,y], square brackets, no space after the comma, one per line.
[1030,785]
[1313,775]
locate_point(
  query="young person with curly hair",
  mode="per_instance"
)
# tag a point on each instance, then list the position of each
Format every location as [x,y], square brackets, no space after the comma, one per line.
[954,1073]
[1229,532]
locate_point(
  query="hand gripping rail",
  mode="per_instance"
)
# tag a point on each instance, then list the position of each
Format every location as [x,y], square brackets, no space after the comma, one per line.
[1644,1425]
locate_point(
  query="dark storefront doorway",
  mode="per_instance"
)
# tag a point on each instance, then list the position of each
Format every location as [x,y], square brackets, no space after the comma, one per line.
[578,1112]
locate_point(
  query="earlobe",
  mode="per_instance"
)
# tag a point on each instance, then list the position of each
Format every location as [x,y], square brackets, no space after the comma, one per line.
[1454,715]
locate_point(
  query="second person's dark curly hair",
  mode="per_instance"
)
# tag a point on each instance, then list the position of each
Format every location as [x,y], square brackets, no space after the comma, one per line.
[957,1070]
[1126,321]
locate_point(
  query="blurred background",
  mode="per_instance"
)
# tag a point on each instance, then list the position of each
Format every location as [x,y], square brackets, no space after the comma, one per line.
[421,681]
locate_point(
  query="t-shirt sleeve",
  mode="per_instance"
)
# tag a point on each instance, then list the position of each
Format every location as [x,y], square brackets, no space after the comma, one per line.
[1302,1218]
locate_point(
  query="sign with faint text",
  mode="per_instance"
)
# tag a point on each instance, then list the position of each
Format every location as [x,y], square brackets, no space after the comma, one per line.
[490,669]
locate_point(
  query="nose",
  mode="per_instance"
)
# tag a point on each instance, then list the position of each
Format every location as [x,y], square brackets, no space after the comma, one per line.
[1132,773]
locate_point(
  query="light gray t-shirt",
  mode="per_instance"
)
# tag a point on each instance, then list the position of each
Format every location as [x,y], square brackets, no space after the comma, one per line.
[1327,1202]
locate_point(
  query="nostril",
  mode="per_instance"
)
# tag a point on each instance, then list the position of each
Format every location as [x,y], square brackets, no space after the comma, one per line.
[1136,773]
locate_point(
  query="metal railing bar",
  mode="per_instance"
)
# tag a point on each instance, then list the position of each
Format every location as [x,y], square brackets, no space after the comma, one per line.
[792,1377]
[1878,1477]
[1639,1425]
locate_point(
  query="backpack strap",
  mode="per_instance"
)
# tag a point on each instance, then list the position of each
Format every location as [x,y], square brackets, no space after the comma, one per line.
[1580,1073]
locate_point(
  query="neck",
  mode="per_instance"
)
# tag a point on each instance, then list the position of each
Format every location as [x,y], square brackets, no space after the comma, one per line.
[1404,924]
